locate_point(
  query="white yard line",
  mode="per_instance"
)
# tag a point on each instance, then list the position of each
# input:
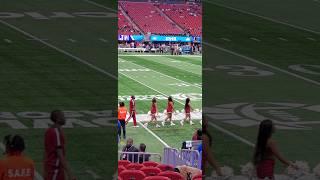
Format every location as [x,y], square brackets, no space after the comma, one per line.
[162,74]
[264,64]
[37,175]
[226,39]
[59,50]
[8,41]
[264,17]
[100,5]
[245,141]
[255,39]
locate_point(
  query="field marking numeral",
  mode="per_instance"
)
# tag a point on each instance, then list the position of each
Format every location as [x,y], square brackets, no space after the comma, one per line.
[305,68]
[241,70]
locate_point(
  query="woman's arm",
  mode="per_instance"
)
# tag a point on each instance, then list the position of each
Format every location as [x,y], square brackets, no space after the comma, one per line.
[210,157]
[272,145]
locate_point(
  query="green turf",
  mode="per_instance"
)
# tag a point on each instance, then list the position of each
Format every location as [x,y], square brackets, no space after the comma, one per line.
[224,84]
[153,76]
[36,77]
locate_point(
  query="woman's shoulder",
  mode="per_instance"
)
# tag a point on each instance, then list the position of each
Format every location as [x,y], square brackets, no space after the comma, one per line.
[271,142]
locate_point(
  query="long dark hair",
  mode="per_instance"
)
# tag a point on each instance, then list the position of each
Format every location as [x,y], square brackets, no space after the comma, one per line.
[14,143]
[205,130]
[170,99]
[265,132]
[187,103]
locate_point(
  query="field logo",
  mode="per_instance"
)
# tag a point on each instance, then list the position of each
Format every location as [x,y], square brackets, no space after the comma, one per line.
[285,115]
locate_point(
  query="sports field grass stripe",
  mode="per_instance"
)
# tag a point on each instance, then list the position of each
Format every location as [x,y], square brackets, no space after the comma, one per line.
[237,137]
[153,134]
[183,75]
[59,50]
[101,6]
[163,74]
[178,64]
[263,17]
[262,63]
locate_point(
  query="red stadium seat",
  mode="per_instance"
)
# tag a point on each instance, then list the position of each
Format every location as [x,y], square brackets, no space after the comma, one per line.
[132,175]
[150,171]
[150,163]
[123,163]
[120,169]
[156,178]
[134,166]
[165,167]
[197,177]
[172,175]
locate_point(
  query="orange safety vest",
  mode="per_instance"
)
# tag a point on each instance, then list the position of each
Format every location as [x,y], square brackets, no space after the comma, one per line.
[17,167]
[122,113]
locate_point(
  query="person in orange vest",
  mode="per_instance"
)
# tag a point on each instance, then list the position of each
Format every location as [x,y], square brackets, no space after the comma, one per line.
[15,165]
[122,114]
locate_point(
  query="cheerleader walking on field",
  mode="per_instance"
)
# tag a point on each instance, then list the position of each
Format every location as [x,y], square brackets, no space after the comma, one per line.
[170,110]
[154,113]
[187,111]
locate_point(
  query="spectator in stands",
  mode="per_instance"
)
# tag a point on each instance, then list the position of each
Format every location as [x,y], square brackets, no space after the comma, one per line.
[129,147]
[197,135]
[15,163]
[207,155]
[187,172]
[143,157]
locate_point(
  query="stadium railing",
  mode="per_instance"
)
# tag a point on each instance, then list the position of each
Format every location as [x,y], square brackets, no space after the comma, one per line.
[187,157]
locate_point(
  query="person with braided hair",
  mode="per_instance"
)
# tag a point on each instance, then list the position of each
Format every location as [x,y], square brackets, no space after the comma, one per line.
[15,165]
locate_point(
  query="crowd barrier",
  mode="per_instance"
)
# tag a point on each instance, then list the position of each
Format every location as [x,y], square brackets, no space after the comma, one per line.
[187,157]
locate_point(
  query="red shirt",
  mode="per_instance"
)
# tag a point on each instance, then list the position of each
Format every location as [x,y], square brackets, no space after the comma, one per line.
[170,107]
[132,105]
[54,139]
[187,109]
[153,108]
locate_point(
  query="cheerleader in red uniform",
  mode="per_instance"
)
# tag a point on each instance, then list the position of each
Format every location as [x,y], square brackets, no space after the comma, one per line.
[266,152]
[170,110]
[187,111]
[154,113]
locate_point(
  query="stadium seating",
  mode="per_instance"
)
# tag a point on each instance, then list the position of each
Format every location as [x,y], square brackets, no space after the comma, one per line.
[147,17]
[197,177]
[134,166]
[165,167]
[156,178]
[172,175]
[132,175]
[121,168]
[123,162]
[187,16]
[150,163]
[124,26]
[150,171]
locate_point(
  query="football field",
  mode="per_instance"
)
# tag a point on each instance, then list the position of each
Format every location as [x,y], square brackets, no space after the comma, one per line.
[261,61]
[57,55]
[160,76]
